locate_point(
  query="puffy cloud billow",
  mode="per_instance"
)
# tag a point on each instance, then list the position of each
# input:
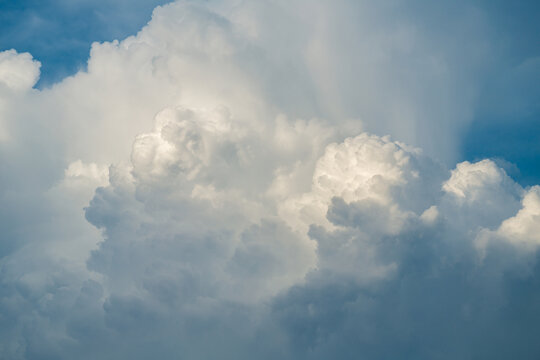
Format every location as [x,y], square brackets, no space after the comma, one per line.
[263,180]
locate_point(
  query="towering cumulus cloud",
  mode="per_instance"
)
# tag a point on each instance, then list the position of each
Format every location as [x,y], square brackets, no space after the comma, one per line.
[267,180]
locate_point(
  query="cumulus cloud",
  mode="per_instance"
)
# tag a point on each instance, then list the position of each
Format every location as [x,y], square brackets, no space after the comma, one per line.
[198,194]
[18,71]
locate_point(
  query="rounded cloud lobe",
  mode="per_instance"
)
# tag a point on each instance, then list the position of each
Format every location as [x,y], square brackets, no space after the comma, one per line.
[18,71]
[253,216]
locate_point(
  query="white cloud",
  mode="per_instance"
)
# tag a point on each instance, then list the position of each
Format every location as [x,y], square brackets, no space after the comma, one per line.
[371,169]
[253,213]
[524,226]
[481,194]
[520,229]
[18,72]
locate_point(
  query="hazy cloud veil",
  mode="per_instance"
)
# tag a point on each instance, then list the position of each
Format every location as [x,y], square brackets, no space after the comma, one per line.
[270,180]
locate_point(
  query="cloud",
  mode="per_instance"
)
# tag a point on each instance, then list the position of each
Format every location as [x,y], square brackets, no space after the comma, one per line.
[222,184]
[520,229]
[398,264]
[18,71]
[435,284]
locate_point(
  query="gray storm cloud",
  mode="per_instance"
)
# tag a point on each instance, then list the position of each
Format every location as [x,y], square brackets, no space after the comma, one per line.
[223,185]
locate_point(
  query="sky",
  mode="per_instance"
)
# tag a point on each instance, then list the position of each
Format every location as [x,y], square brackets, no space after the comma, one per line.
[59,32]
[272,179]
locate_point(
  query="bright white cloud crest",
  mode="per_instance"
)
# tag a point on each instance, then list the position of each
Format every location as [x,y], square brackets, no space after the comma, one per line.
[18,71]
[252,215]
